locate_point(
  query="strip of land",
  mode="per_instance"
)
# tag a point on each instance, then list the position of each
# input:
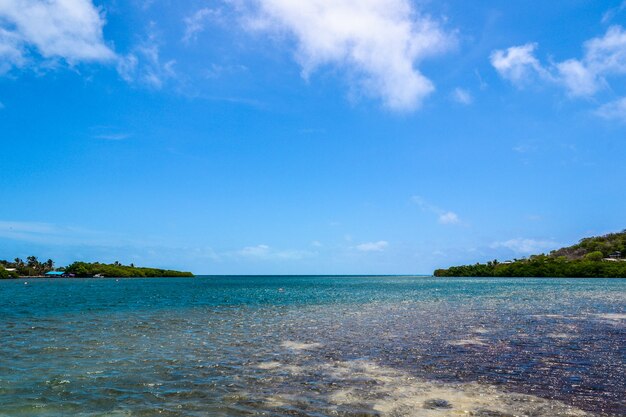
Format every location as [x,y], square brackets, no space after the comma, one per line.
[32,267]
[592,257]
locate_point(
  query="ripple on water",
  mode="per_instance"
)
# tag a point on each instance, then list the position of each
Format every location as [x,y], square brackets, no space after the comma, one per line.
[345,347]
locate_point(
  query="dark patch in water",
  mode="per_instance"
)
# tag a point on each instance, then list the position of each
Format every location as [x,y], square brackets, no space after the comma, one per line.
[436,403]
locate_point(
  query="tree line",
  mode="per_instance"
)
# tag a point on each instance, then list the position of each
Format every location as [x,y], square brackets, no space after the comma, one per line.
[586,259]
[540,266]
[33,267]
[85,269]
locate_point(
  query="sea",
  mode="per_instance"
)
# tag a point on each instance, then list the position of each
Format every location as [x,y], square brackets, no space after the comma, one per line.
[346,346]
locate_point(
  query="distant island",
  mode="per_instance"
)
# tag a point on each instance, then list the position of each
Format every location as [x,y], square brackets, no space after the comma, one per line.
[32,267]
[592,257]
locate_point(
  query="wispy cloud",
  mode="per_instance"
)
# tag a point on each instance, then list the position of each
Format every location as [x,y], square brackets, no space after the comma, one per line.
[267,253]
[462,96]
[113,136]
[197,22]
[446,217]
[612,13]
[379,246]
[614,110]
[53,234]
[70,243]
[379,43]
[524,148]
[525,246]
[449,217]
[144,65]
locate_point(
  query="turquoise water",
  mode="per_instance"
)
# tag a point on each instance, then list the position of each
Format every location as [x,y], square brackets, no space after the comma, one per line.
[313,346]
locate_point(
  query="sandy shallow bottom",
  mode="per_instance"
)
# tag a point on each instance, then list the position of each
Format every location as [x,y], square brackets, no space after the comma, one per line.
[363,388]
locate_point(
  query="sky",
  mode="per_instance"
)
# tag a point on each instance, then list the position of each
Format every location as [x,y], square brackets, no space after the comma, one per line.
[309,137]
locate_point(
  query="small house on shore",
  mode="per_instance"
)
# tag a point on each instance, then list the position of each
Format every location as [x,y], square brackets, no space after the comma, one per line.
[614,257]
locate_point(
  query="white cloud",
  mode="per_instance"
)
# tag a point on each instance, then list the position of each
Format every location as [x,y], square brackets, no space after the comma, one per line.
[449,218]
[526,246]
[518,64]
[195,23]
[614,110]
[462,96]
[577,78]
[265,252]
[32,31]
[379,246]
[603,57]
[11,52]
[66,29]
[446,217]
[377,42]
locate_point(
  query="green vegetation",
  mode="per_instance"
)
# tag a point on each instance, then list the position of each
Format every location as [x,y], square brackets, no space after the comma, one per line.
[83,269]
[607,244]
[4,274]
[32,267]
[593,257]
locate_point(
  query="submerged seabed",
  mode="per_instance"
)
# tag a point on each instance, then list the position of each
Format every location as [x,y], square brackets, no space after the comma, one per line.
[313,346]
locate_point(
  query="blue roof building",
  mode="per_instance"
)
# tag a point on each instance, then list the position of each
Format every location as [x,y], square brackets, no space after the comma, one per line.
[55,274]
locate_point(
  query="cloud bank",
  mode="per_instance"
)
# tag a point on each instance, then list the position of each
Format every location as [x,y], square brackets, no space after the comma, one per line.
[377,42]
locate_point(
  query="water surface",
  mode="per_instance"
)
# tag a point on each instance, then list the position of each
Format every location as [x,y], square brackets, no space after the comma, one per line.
[313,346]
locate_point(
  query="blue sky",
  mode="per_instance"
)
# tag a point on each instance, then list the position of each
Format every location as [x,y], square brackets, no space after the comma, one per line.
[280,137]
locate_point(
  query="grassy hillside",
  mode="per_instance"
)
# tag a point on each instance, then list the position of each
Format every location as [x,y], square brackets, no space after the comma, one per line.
[606,244]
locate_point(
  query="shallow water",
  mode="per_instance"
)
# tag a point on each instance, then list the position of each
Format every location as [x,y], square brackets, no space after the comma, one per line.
[313,346]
